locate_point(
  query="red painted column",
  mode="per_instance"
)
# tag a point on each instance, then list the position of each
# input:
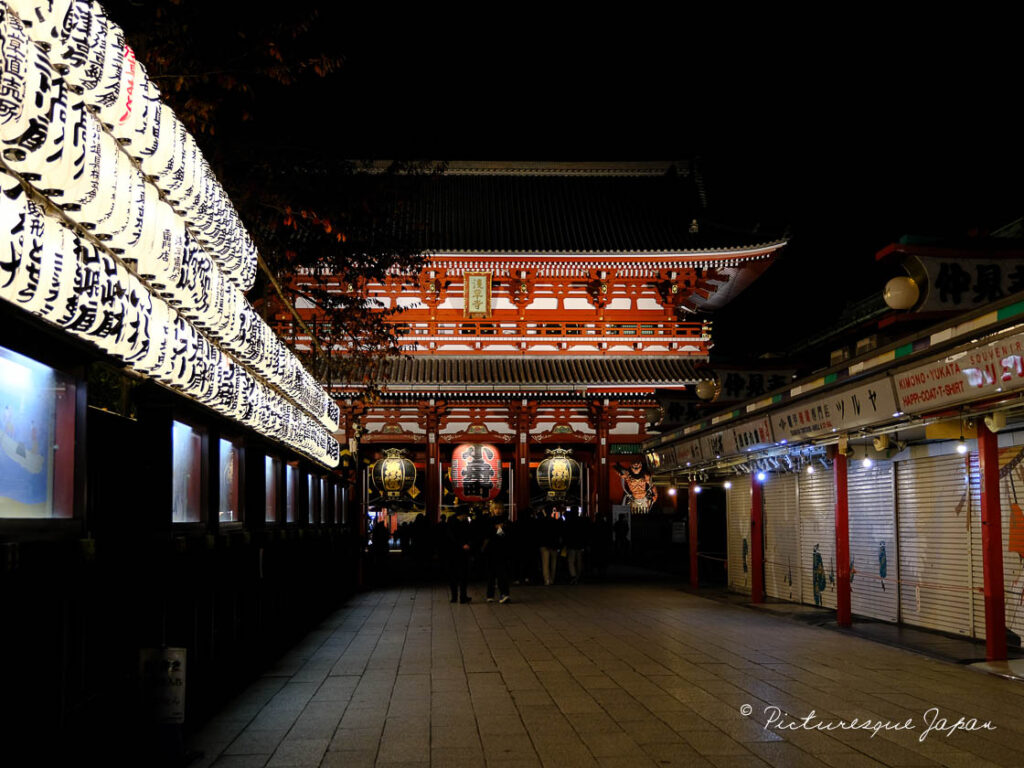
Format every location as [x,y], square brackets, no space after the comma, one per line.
[992,545]
[433,477]
[694,575]
[756,541]
[843,617]
[522,474]
[604,502]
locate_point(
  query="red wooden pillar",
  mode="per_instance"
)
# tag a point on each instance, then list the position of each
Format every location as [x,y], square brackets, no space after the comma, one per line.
[522,504]
[433,477]
[842,542]
[433,411]
[992,545]
[756,540]
[694,580]
[522,459]
[604,501]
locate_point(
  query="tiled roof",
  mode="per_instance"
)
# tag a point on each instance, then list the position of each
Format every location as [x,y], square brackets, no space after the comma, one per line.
[536,372]
[558,214]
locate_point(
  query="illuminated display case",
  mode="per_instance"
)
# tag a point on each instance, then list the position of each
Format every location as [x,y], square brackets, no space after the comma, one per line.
[37,434]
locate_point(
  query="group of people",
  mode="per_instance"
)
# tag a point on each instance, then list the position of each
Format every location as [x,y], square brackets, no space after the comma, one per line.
[543,546]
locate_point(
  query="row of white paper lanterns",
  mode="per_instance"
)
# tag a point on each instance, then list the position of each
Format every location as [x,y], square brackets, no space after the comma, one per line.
[54,273]
[91,60]
[113,201]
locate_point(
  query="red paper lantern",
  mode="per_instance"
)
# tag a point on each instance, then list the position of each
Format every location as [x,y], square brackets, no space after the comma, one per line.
[476,472]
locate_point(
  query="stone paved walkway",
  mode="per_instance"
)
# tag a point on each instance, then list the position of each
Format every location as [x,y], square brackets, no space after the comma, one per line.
[609,675]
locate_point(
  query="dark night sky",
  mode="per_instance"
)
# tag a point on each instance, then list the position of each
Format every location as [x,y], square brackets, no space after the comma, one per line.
[848,149]
[850,132]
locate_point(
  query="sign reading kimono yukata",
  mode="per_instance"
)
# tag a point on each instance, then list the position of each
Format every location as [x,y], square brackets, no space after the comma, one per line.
[985,370]
[476,472]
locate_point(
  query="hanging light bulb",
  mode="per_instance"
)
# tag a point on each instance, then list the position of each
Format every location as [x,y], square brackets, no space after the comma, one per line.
[961,445]
[727,484]
[810,469]
[866,463]
[761,476]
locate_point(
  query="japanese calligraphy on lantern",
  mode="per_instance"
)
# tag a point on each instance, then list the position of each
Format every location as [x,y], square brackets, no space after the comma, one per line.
[989,369]
[838,412]
[476,472]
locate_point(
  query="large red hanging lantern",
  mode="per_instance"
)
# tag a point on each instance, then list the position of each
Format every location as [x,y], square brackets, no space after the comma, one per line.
[476,472]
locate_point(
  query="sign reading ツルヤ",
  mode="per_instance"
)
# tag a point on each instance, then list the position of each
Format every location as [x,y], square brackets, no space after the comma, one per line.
[841,411]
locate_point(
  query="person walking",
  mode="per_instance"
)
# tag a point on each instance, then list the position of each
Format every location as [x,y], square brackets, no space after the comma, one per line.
[496,550]
[577,534]
[550,544]
[458,545]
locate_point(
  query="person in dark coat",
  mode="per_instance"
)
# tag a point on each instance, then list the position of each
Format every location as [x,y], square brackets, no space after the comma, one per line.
[458,555]
[550,530]
[496,550]
[577,536]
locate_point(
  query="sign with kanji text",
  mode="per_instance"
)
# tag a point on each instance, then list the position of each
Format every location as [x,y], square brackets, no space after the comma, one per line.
[841,411]
[965,282]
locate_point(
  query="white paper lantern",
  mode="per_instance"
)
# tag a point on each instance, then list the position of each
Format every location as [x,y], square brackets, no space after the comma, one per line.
[44,20]
[58,261]
[901,293]
[105,95]
[93,195]
[13,230]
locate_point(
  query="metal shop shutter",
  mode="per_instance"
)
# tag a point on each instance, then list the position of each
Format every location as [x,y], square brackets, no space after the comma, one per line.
[737,505]
[874,589]
[934,543]
[781,538]
[817,538]
[1011,497]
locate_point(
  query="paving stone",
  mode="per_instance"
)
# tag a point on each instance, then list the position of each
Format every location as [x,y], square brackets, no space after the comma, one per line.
[298,752]
[599,674]
[256,742]
[241,761]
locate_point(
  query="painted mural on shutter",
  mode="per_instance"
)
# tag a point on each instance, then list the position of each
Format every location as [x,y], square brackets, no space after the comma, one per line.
[1011,498]
[781,538]
[934,543]
[874,589]
[738,512]
[818,538]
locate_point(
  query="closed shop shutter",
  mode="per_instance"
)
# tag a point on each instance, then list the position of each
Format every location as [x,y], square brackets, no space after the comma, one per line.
[934,543]
[1011,498]
[818,538]
[782,538]
[738,514]
[874,588]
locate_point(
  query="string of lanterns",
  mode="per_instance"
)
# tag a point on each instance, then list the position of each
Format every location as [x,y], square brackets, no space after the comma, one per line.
[54,134]
[89,54]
